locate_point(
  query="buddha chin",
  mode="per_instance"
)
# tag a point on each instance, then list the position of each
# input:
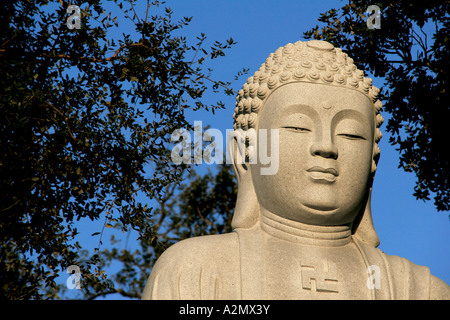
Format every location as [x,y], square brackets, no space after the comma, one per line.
[316,203]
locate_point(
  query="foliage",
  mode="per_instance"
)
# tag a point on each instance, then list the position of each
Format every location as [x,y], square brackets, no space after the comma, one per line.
[411,52]
[202,206]
[85,125]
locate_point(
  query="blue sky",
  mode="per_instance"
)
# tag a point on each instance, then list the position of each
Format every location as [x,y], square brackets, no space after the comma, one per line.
[406,227]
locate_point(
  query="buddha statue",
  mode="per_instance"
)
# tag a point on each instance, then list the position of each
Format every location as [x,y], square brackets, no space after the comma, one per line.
[305,231]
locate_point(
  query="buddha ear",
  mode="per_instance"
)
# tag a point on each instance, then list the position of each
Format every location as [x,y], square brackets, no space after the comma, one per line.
[246,213]
[236,149]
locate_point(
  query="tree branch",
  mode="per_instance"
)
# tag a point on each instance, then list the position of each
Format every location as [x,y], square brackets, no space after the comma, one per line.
[113,57]
[65,118]
[119,291]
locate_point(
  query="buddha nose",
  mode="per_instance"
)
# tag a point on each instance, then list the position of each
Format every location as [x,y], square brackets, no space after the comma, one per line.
[324,148]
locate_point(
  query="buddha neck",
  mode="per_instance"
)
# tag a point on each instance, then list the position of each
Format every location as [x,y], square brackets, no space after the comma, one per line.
[297,232]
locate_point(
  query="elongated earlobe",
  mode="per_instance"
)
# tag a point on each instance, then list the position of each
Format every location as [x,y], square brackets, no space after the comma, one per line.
[246,213]
[363,227]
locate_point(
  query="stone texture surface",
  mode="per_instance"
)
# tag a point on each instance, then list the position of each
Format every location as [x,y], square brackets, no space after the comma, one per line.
[305,232]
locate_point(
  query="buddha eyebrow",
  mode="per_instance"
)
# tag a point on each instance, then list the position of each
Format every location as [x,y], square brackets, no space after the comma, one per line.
[305,109]
[351,114]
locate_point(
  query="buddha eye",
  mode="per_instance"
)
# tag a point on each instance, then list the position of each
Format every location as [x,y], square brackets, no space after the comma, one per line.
[351,136]
[298,129]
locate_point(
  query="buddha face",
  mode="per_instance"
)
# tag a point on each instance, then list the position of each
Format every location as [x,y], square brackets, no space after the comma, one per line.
[326,136]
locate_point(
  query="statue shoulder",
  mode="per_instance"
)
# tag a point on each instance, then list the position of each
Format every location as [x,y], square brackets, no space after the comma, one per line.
[192,268]
[201,249]
[413,281]
[439,289]
[401,279]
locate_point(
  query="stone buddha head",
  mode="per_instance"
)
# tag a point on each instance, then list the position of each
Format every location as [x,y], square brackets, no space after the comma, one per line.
[327,116]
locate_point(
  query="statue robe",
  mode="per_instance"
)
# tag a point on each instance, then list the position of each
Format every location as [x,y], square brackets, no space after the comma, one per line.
[235,266]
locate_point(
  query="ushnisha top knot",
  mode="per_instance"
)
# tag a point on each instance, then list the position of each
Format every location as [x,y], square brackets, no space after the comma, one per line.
[314,61]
